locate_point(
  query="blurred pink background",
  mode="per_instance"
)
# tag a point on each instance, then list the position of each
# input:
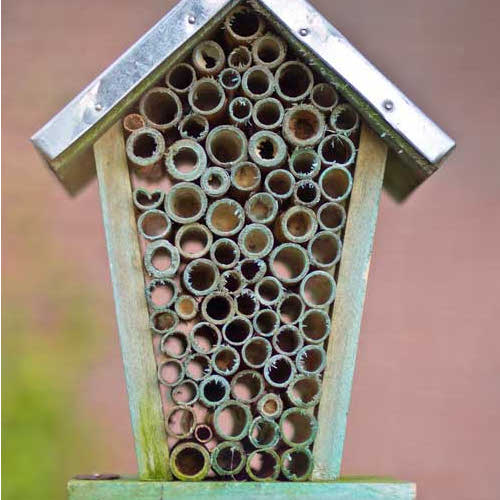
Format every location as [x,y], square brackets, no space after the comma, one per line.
[426,403]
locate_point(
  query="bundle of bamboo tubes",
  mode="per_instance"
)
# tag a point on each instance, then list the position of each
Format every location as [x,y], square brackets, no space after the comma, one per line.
[240,250]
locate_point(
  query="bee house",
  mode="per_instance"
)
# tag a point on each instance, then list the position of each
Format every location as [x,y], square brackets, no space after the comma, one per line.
[241,149]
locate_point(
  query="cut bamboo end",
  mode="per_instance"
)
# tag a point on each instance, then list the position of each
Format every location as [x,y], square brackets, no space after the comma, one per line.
[256,241]
[298,427]
[225,253]
[207,98]
[247,386]
[180,421]
[303,126]
[154,225]
[175,345]
[231,420]
[264,433]
[297,464]
[185,160]
[186,393]
[133,122]
[203,433]
[307,193]
[297,225]
[205,338]
[266,322]
[335,184]
[181,78]
[194,126]
[270,405]
[256,351]
[232,282]
[280,184]
[145,149]
[257,83]
[267,149]
[161,259]
[246,303]
[290,308]
[269,291]
[190,462]
[161,108]
[197,367]
[208,58]
[287,340]
[148,200]
[171,372]
[315,326]
[161,293]
[186,203]
[243,26]
[193,241]
[279,371]
[226,360]
[237,331]
[245,178]
[345,120]
[269,50]
[263,465]
[294,82]
[318,289]
[337,150]
[214,390]
[218,308]
[332,216]
[325,250]
[226,146]
[186,307]
[225,217]
[215,182]
[311,360]
[268,114]
[230,79]
[240,59]
[228,458]
[289,263]
[163,321]
[304,391]
[305,163]
[324,97]
[240,111]
[200,277]
[262,208]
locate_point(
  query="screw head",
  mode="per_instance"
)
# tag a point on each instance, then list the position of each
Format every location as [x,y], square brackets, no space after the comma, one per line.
[98,107]
[388,105]
[191,19]
[304,31]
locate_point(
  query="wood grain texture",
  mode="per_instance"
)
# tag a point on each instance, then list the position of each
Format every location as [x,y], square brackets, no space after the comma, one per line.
[345,489]
[130,302]
[348,307]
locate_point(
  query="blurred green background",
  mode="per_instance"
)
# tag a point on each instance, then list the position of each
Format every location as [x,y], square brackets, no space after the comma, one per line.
[425,402]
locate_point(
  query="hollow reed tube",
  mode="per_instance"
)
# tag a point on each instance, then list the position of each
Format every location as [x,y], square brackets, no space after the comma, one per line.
[163,321]
[240,59]
[269,50]
[318,289]
[232,282]
[218,308]
[315,326]
[257,83]
[225,217]
[266,322]
[245,178]
[247,386]
[180,421]
[303,125]
[243,26]
[294,82]
[263,433]
[225,253]
[324,97]
[345,119]
[205,338]
[267,149]
[337,150]
[335,183]
[297,225]
[270,405]
[226,146]
[239,417]
[207,98]
[261,208]
[208,58]
[304,391]
[240,111]
[193,241]
[215,182]
[263,465]
[201,277]
[256,351]
[190,461]
[214,390]
[161,108]
[297,464]
[180,78]
[154,225]
[331,216]
[324,249]
[203,433]
[186,307]
[145,149]
[230,79]
[194,126]
[133,122]
[280,184]
[185,160]
[185,203]
[268,114]
[148,200]
[289,263]
[279,371]
[256,241]
[228,458]
[298,427]
[161,259]
[306,193]
[226,360]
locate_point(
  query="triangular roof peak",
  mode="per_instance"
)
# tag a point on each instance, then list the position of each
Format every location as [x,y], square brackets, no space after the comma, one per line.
[417,145]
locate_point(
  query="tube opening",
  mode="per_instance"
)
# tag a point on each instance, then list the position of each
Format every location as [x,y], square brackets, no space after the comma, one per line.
[305,163]
[300,223]
[174,344]
[332,216]
[346,119]
[298,428]
[190,461]
[279,370]
[311,360]
[315,325]
[241,108]
[336,183]
[289,263]
[280,183]
[262,208]
[133,122]
[201,276]
[269,50]
[294,80]
[181,77]
[207,96]
[264,433]
[263,465]
[164,321]
[226,252]
[193,240]
[318,289]
[203,433]
[186,202]
[246,176]
[256,241]
[161,293]
[230,79]
[258,82]
[269,113]
[304,124]
[246,303]
[288,340]
[214,390]
[268,290]
[297,464]
[232,281]
[324,96]
[291,309]
[337,149]
[171,372]
[227,146]
[180,421]
[304,391]
[145,146]
[161,107]
[205,338]
[266,322]
[325,249]
[154,225]
[198,366]
[244,23]
[256,352]
[186,393]
[308,192]
[237,331]
[247,386]
[226,360]
[240,59]
[194,127]
[231,420]
[218,308]
[228,458]
[225,217]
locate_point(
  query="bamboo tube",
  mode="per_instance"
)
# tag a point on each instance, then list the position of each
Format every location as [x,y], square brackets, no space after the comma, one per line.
[185,160]
[243,26]
[324,97]
[266,322]
[175,345]
[245,178]
[237,331]
[269,50]
[268,114]
[197,366]
[180,78]
[297,225]
[253,270]
[287,340]
[133,122]
[205,338]
[226,360]
[208,58]
[225,253]
[161,293]
[297,464]
[203,433]
[218,308]
[331,216]
[240,59]
[279,371]
[263,465]
[230,79]
[256,351]
[171,372]
[145,200]
[306,193]
[161,108]
[294,82]
[186,393]
[157,254]
[232,282]
[201,277]
[185,203]
[226,146]
[280,184]
[337,150]
[207,98]
[186,307]
[324,250]
[261,208]
[305,163]
[154,225]
[193,241]
[289,263]
[247,386]
[304,391]
[190,462]
[311,360]
[228,458]
[270,405]
[240,418]
[345,120]
[315,326]
[263,433]
[267,149]
[257,83]
[335,183]
[246,303]
[256,241]
[145,149]
[225,217]
[302,427]
[163,321]
[214,390]
[290,308]
[194,126]
[269,291]
[318,289]
[240,111]
[180,421]
[215,182]
[303,126]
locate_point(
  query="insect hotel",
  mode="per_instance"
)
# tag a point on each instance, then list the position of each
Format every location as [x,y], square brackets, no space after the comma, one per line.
[240,149]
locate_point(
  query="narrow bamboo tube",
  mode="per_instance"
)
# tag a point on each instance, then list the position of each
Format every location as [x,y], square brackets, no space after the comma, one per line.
[185,203]
[194,126]
[240,111]
[145,149]
[257,474]
[208,58]
[240,59]
[133,122]
[268,114]
[247,386]
[205,338]
[185,160]
[345,120]
[264,433]
[215,182]
[228,458]
[297,464]
[257,83]
[163,321]
[158,249]
[175,345]
[201,277]
[226,146]
[269,50]
[207,98]
[148,200]
[214,390]
[304,391]
[267,149]
[303,126]
[187,421]
[180,78]
[270,405]
[324,97]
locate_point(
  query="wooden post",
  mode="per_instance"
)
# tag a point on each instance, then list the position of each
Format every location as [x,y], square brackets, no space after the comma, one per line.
[130,302]
[348,307]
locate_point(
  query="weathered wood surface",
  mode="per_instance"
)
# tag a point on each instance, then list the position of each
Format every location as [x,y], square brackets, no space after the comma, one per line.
[348,308]
[344,489]
[130,302]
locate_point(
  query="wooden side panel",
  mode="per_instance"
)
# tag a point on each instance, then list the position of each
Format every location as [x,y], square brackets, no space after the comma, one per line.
[348,308]
[131,309]
[346,489]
